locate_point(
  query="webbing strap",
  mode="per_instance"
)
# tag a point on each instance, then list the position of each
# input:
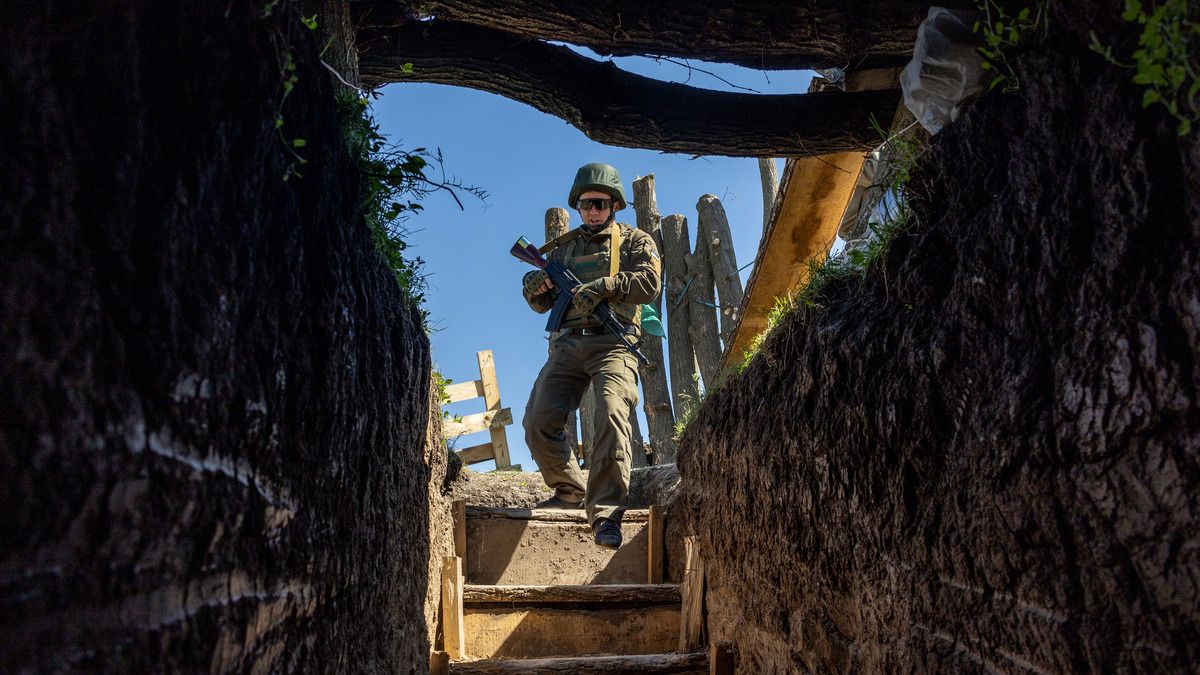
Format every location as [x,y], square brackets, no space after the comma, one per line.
[614,251]
[560,240]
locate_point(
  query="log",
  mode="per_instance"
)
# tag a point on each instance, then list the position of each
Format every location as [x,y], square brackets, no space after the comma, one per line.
[770,187]
[702,313]
[637,445]
[558,221]
[723,261]
[761,36]
[635,111]
[656,396]
[676,249]
[581,594]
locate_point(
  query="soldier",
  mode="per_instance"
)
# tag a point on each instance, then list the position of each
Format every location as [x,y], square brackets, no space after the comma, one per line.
[620,264]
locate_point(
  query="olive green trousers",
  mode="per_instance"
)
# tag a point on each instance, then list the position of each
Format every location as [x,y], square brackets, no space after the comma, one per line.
[576,362]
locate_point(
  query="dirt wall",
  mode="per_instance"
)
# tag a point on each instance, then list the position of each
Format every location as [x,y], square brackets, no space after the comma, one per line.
[984,456]
[215,398]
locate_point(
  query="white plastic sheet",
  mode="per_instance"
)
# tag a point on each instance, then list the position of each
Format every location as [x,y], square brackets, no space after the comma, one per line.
[946,68]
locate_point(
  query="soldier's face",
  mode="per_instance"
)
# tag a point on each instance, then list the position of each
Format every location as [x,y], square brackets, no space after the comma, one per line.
[590,213]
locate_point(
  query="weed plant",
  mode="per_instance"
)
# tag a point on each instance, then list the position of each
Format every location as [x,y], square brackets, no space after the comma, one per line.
[1167,60]
[1001,33]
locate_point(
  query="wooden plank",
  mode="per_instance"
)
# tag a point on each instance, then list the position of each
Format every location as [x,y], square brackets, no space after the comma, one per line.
[812,198]
[654,558]
[530,631]
[721,660]
[550,515]
[453,636]
[478,422]
[588,665]
[439,663]
[691,591]
[573,594]
[464,391]
[475,453]
[491,401]
[460,528]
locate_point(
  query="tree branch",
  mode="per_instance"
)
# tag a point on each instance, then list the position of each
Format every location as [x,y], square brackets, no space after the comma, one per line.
[764,35]
[615,107]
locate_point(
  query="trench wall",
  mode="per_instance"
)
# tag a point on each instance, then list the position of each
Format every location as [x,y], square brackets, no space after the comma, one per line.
[984,456]
[215,398]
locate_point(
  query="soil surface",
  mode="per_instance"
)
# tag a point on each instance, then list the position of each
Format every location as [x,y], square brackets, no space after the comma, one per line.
[984,456]
[215,396]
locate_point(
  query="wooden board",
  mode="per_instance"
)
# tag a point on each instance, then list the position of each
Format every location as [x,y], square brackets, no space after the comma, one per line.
[514,551]
[483,421]
[813,197]
[526,631]
[464,391]
[476,453]
[655,546]
[573,594]
[491,401]
[588,665]
[691,617]
[550,515]
[459,513]
[453,635]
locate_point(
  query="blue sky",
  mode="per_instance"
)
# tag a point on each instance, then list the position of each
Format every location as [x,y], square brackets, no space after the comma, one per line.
[526,161]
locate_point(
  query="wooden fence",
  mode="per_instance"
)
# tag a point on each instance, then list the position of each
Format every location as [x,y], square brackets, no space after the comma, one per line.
[493,419]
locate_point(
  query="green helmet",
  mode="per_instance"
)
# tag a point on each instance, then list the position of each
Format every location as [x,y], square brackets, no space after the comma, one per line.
[599,177]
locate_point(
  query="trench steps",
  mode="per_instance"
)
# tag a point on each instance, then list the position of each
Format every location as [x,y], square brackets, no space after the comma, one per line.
[531,592]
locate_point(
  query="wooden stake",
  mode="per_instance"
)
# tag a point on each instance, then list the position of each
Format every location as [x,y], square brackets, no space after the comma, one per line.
[656,399]
[721,660]
[558,221]
[656,546]
[676,248]
[723,261]
[460,528]
[691,591]
[453,637]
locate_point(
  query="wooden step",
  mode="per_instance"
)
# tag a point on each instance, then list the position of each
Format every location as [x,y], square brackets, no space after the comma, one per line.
[549,546]
[588,665]
[553,621]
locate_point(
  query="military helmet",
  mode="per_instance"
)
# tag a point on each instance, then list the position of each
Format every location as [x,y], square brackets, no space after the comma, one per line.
[599,177]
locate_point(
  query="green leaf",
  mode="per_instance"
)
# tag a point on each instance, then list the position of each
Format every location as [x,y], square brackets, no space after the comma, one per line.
[278,122]
[406,68]
[1013,36]
[1150,97]
[299,142]
[995,82]
[1185,127]
[1132,9]
[1023,15]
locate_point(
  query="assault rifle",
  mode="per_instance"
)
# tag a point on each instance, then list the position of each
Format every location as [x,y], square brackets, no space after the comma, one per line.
[567,282]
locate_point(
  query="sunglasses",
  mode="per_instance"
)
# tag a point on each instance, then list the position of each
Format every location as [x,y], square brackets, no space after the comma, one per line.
[598,204]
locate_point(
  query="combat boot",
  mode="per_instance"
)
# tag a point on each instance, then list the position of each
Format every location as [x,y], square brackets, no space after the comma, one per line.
[608,532]
[556,503]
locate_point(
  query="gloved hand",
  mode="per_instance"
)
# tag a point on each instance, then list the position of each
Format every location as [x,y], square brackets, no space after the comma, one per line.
[588,295]
[534,282]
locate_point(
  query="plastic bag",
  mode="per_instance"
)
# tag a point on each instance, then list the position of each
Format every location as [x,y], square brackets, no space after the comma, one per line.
[946,68]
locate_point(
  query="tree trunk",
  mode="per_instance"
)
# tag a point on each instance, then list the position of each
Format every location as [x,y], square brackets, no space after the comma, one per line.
[635,111]
[702,311]
[637,444]
[771,36]
[770,187]
[718,241]
[676,247]
[558,221]
[656,395]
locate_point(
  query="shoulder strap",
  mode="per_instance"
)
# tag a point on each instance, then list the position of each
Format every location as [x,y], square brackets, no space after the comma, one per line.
[560,240]
[614,250]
